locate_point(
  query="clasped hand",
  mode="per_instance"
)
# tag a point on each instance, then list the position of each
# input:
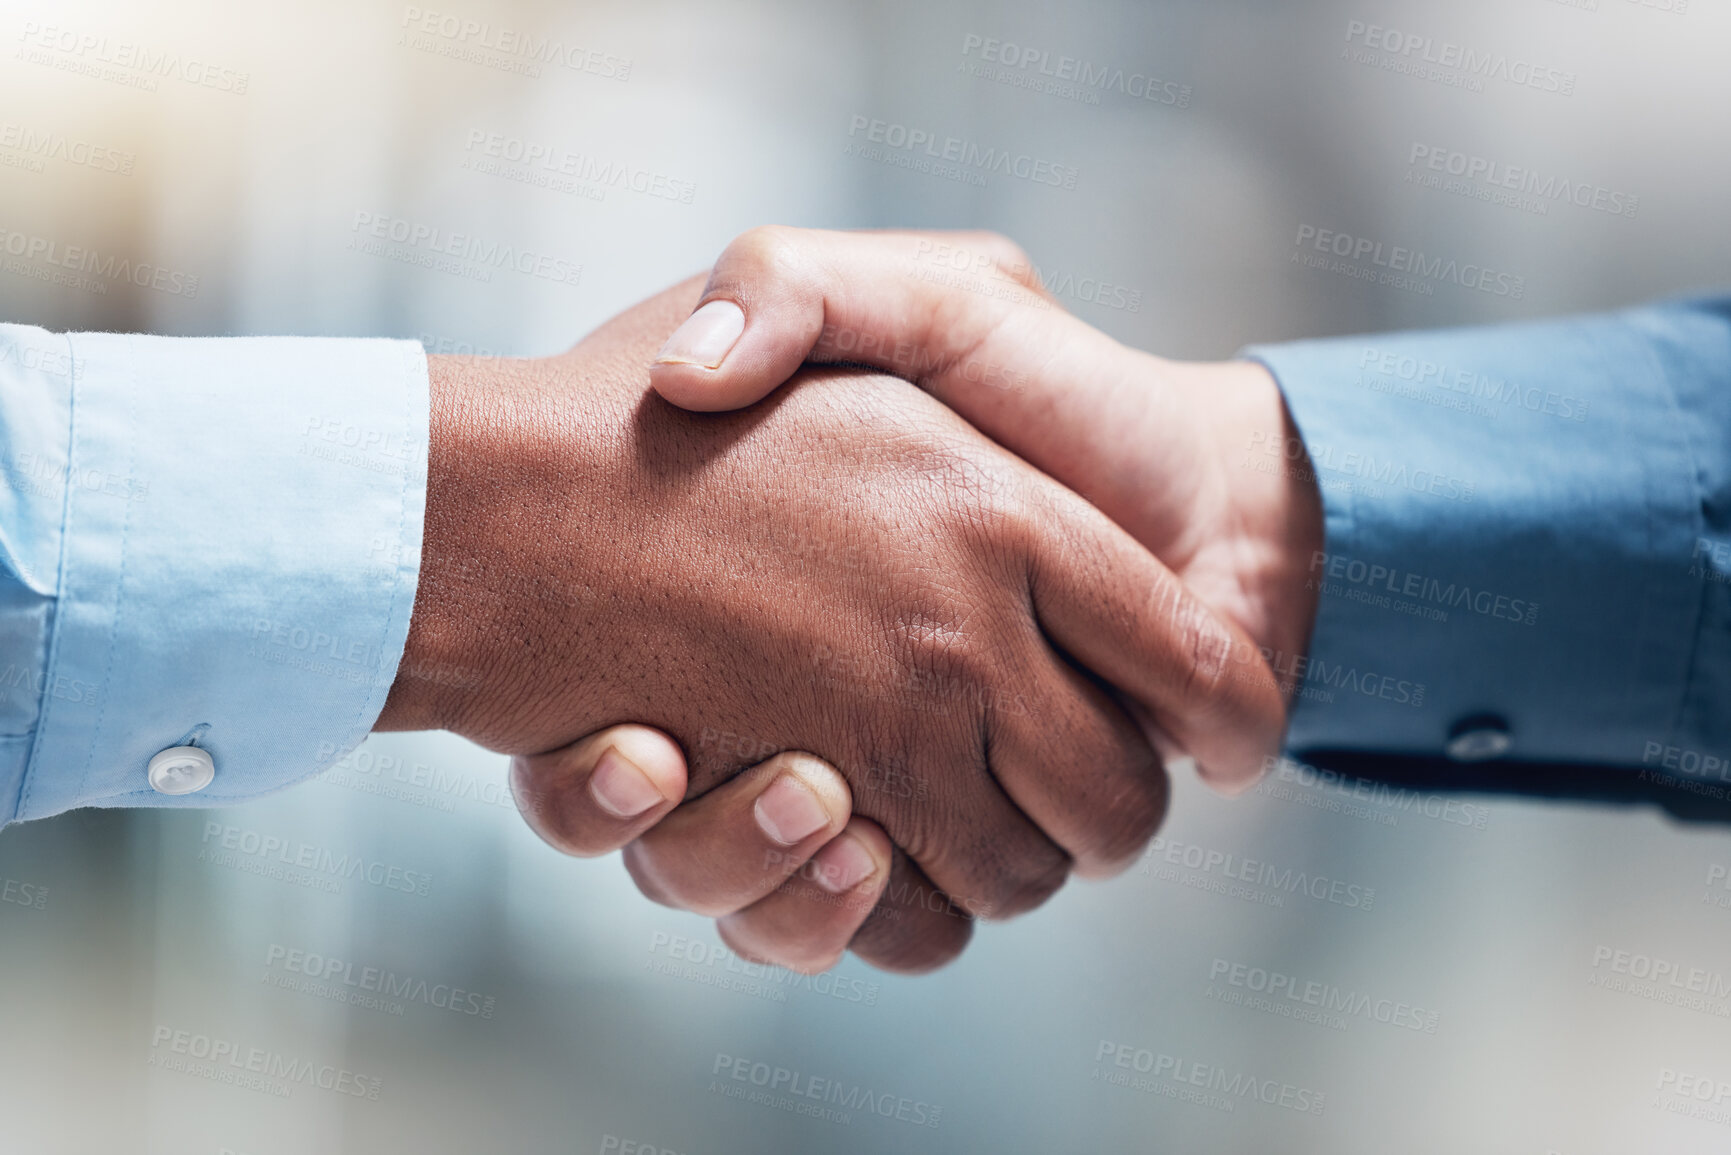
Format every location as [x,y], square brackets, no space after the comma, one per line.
[836,662]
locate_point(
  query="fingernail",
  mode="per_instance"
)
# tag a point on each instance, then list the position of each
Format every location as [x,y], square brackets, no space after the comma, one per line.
[706,338]
[620,788]
[789,812]
[843,865]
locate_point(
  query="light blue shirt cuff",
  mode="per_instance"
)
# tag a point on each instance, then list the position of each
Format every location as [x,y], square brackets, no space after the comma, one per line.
[237,563]
[1515,519]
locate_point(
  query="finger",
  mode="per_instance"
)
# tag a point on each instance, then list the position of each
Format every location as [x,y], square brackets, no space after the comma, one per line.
[779,297]
[741,840]
[600,792]
[971,840]
[806,923]
[915,927]
[1114,609]
[1079,766]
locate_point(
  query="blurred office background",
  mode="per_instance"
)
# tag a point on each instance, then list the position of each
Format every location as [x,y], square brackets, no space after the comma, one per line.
[1512,976]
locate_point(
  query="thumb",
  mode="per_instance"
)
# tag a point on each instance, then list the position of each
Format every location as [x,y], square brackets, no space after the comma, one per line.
[779,297]
[600,792]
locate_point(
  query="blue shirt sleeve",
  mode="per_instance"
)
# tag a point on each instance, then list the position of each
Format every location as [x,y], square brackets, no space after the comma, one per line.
[202,542]
[1528,534]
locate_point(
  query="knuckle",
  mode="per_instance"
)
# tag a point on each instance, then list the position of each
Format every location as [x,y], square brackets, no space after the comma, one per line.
[551,811]
[1206,647]
[945,656]
[1009,257]
[818,776]
[666,883]
[794,954]
[815,964]
[1132,819]
[765,248]
[1027,888]
[984,501]
[648,880]
[933,636]
[793,950]
[1002,870]
[891,943]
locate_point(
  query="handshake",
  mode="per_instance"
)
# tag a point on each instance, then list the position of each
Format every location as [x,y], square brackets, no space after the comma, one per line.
[859,592]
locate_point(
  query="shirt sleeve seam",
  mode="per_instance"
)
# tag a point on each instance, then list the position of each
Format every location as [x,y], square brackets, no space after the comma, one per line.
[1345,509]
[388,627]
[52,654]
[1691,662]
[120,577]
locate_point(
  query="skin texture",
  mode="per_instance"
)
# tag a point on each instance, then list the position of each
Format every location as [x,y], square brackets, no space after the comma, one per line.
[848,569]
[1159,446]
[1201,462]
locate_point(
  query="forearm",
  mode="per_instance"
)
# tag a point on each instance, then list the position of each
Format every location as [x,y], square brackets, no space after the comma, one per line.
[1513,521]
[438,655]
[222,539]
[505,435]
[1257,543]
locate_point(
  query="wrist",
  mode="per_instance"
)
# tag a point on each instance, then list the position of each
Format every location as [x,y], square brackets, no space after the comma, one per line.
[442,664]
[1272,508]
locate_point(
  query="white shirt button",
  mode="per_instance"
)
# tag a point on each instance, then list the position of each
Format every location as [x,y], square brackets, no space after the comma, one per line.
[1478,739]
[181,770]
